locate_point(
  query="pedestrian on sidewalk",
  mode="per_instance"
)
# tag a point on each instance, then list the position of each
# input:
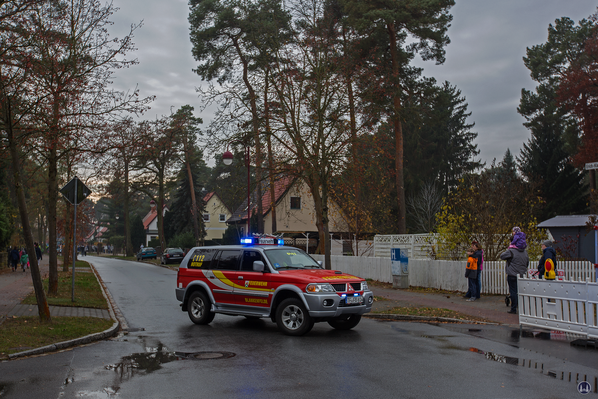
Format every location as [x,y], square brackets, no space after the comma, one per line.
[477,251]
[15,256]
[517,263]
[24,260]
[38,252]
[474,260]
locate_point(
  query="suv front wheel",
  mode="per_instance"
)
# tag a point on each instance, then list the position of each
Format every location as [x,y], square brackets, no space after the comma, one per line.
[198,308]
[292,317]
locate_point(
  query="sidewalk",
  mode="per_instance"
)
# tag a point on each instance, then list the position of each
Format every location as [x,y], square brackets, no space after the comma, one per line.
[490,307]
[15,286]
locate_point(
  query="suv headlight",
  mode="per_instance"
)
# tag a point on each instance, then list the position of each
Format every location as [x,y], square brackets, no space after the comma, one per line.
[364,286]
[314,288]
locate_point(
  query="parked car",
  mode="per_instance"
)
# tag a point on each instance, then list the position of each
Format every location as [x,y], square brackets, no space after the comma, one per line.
[172,255]
[147,253]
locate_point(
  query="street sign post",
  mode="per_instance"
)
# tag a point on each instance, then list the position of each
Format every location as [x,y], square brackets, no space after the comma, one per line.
[75,192]
[591,166]
[75,186]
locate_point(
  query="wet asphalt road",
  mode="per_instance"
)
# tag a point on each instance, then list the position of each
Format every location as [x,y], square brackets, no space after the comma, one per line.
[164,355]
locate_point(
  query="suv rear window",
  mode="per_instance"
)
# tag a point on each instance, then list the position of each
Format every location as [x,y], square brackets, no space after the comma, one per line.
[201,259]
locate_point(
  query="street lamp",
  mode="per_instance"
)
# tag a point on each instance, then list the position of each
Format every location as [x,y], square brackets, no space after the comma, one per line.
[227,159]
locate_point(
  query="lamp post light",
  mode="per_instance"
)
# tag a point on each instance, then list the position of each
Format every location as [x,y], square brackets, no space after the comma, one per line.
[227,159]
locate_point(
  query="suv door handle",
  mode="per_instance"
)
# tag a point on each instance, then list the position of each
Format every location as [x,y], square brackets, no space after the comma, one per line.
[240,277]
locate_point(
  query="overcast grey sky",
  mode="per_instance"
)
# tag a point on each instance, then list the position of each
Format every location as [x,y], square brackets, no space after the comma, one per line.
[483,60]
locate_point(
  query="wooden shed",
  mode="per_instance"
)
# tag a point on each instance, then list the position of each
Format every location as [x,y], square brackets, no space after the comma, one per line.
[572,237]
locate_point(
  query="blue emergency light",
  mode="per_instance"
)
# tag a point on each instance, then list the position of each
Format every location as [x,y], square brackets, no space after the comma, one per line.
[262,239]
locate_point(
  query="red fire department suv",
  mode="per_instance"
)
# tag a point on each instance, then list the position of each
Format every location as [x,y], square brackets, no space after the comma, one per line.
[265,279]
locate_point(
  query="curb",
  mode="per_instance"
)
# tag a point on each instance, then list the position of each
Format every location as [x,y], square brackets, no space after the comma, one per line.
[401,317]
[110,332]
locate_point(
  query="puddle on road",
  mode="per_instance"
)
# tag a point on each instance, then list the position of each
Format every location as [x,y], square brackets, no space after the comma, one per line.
[155,355]
[533,364]
[142,362]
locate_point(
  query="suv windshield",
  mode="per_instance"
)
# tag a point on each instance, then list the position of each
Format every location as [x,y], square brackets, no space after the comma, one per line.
[290,258]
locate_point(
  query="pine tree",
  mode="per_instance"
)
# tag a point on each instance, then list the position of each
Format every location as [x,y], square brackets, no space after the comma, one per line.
[180,218]
[545,160]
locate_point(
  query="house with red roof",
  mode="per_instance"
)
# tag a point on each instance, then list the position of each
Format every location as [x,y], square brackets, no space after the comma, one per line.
[294,208]
[150,222]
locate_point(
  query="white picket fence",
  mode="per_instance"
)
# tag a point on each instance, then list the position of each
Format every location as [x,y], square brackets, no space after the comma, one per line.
[448,275]
[570,306]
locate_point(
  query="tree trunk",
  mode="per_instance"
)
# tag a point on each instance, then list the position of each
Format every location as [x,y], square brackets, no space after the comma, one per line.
[128,243]
[398,130]
[593,195]
[270,159]
[43,309]
[67,249]
[160,211]
[53,200]
[255,119]
[192,189]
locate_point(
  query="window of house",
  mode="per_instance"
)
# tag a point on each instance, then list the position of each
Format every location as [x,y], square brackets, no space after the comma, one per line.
[295,202]
[206,217]
[222,217]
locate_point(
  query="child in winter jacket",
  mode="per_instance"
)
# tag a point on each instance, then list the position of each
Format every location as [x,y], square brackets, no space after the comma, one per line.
[24,260]
[548,252]
[518,240]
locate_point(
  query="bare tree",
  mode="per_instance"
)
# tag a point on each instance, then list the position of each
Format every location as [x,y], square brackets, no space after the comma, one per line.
[425,206]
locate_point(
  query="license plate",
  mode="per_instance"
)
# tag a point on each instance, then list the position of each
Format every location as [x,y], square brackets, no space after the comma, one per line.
[352,300]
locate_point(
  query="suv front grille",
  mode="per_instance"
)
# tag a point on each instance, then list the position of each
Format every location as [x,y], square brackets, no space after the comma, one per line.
[343,287]
[339,287]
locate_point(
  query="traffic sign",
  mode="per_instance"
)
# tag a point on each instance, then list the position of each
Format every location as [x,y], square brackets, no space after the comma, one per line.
[593,165]
[68,191]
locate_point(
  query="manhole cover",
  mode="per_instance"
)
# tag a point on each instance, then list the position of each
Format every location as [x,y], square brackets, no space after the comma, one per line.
[205,355]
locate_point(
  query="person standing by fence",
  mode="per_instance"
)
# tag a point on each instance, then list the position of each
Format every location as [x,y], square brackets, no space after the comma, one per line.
[547,253]
[517,263]
[474,261]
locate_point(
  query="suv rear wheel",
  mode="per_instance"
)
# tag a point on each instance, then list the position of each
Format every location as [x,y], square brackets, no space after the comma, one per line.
[292,317]
[345,322]
[198,308]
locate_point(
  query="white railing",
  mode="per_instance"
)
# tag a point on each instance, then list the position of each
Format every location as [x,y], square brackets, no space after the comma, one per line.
[447,275]
[570,306]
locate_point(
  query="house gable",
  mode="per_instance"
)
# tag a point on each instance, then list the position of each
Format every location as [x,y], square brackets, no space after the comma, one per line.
[295,209]
[215,216]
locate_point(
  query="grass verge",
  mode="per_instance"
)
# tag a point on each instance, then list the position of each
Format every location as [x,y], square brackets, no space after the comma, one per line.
[430,312]
[88,293]
[388,308]
[18,334]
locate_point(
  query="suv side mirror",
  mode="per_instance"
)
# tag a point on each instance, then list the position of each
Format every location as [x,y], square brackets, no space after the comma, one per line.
[258,266]
[320,262]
